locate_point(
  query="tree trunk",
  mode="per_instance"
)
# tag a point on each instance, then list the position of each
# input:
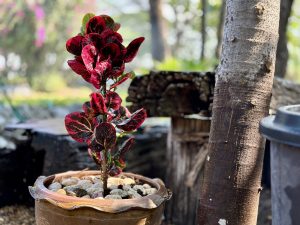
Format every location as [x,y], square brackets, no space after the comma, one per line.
[220,30]
[232,175]
[159,47]
[203,29]
[282,55]
[187,150]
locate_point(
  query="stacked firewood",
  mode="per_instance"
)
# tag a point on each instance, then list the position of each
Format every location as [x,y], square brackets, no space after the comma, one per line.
[172,94]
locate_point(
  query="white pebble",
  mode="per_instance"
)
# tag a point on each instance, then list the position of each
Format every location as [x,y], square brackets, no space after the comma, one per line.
[69,181]
[128,181]
[113,197]
[127,187]
[146,186]
[151,191]
[112,187]
[55,186]
[86,196]
[119,192]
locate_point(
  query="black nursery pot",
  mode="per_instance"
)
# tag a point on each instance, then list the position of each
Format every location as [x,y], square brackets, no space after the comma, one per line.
[283,130]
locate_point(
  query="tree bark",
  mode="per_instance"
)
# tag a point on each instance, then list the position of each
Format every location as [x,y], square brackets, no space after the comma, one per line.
[220,30]
[187,142]
[282,55]
[159,47]
[203,29]
[232,175]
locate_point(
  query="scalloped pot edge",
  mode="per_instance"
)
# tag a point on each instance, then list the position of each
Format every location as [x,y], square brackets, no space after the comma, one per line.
[40,192]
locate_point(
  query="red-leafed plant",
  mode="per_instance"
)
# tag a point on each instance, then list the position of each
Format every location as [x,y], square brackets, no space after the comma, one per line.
[100,59]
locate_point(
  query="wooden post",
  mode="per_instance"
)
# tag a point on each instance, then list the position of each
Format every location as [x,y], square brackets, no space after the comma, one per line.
[187,150]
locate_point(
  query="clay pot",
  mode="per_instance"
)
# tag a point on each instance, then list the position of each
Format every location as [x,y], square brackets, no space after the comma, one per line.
[55,209]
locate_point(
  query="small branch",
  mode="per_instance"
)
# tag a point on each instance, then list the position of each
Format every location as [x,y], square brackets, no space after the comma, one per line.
[104,160]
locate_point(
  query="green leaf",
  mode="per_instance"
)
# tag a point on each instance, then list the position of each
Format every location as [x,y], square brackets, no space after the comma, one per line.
[86,19]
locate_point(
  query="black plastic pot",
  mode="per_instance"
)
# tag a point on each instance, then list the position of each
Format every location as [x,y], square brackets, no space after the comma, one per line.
[283,130]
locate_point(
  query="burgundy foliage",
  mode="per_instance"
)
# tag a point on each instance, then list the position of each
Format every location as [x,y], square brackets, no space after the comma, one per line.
[99,52]
[99,57]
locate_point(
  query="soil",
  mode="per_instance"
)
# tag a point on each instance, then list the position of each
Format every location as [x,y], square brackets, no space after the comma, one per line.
[22,215]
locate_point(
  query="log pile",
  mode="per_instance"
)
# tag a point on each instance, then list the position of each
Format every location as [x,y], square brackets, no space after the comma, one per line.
[172,94]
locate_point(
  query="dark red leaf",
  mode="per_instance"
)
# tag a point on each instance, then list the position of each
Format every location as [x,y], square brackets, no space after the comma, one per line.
[95,146]
[74,45]
[95,156]
[95,25]
[98,103]
[88,55]
[114,171]
[108,21]
[95,79]
[89,112]
[111,51]
[116,27]
[102,68]
[113,100]
[78,67]
[93,39]
[79,126]
[126,146]
[133,48]
[134,121]
[105,135]
[111,36]
[117,70]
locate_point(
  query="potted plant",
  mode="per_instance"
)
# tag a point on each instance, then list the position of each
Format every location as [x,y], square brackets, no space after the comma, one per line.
[107,196]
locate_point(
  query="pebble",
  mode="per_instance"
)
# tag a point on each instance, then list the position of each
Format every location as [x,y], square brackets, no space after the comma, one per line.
[98,194]
[61,191]
[119,192]
[92,187]
[70,188]
[55,186]
[84,184]
[151,191]
[69,181]
[80,192]
[93,190]
[86,196]
[140,189]
[112,187]
[127,187]
[128,181]
[133,194]
[146,186]
[113,197]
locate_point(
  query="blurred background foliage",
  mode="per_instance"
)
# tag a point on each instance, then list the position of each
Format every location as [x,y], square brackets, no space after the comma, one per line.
[180,35]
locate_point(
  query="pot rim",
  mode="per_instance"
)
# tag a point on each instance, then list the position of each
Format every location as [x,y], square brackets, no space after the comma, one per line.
[40,192]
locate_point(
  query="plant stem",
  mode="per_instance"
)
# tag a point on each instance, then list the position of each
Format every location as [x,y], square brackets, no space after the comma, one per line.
[104,160]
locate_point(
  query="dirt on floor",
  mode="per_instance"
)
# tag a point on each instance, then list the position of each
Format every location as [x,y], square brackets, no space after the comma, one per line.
[17,215]
[22,215]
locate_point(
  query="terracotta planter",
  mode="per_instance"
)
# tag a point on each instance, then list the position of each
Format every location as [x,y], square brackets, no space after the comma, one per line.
[56,209]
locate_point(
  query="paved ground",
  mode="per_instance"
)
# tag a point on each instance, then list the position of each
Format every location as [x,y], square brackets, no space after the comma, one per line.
[22,215]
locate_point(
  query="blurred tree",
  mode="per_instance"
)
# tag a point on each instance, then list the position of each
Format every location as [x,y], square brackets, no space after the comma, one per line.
[220,30]
[282,55]
[33,35]
[203,29]
[158,35]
